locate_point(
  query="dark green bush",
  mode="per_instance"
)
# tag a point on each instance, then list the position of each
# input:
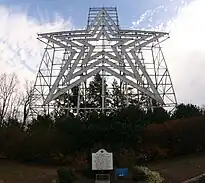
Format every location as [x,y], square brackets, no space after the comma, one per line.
[201,179]
[138,174]
[88,173]
[65,176]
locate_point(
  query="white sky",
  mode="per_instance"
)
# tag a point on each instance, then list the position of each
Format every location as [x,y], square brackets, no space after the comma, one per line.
[185,52]
[21,52]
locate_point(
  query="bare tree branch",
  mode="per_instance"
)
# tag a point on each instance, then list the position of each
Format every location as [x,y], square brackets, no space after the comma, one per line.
[15,105]
[26,100]
[8,88]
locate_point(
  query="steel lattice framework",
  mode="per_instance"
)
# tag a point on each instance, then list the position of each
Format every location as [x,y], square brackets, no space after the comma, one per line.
[133,58]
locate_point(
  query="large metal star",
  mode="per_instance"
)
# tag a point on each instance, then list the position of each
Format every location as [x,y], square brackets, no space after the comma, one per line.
[122,42]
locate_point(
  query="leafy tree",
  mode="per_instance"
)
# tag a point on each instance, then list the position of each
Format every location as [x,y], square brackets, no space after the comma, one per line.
[131,114]
[72,132]
[132,121]
[40,140]
[117,96]
[95,92]
[42,123]
[13,136]
[74,96]
[186,110]
[67,100]
[157,115]
[99,130]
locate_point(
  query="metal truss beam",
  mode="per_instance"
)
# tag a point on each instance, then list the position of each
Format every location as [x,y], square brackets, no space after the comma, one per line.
[132,57]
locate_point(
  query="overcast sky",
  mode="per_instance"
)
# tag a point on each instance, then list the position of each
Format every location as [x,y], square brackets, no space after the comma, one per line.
[21,20]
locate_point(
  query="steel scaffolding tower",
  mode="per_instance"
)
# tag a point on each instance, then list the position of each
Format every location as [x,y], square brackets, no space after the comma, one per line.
[133,58]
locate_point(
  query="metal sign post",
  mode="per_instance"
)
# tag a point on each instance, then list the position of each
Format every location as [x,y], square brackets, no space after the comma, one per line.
[102,160]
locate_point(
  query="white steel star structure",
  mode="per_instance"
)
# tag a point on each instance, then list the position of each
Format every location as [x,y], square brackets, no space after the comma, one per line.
[104,47]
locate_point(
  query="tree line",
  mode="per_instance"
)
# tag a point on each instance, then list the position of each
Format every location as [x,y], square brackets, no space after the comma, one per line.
[66,137]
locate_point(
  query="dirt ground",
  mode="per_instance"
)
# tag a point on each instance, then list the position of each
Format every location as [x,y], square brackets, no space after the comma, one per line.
[175,170]
[12,172]
[180,169]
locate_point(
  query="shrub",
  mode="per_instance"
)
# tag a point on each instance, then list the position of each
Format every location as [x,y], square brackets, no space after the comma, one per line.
[141,173]
[201,179]
[188,136]
[65,176]
[138,174]
[88,173]
[154,177]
